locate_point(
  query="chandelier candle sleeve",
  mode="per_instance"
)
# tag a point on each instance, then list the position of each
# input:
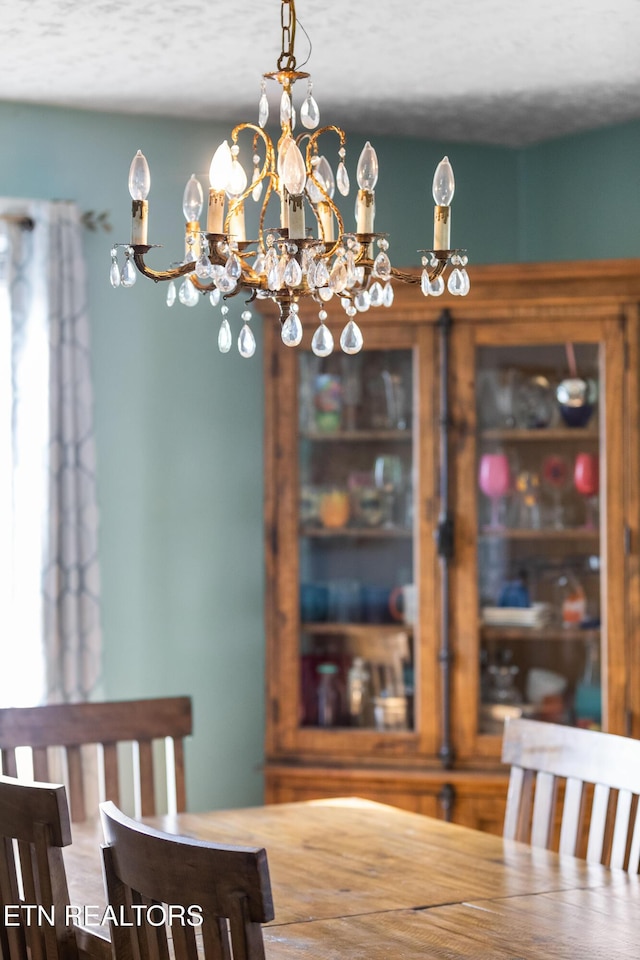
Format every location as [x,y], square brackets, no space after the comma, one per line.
[139,186]
[312,253]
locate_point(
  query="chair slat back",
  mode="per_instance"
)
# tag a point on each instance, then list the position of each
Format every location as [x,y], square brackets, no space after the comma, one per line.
[596,774]
[159,871]
[74,726]
[34,826]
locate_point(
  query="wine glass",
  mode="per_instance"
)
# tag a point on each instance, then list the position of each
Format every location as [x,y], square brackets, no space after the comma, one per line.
[387,474]
[494,479]
[556,477]
[586,478]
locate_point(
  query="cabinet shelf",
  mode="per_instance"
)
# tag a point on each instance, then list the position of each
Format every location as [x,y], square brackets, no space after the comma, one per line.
[552,634]
[357,436]
[359,629]
[580,534]
[555,434]
[356,533]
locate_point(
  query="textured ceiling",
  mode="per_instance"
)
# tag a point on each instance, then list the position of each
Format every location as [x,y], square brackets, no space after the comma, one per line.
[490,71]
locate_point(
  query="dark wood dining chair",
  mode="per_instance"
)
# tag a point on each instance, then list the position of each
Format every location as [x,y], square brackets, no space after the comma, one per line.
[168,876]
[75,726]
[589,781]
[36,817]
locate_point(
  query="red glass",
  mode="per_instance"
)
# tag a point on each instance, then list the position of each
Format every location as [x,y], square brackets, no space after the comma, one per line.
[494,479]
[586,478]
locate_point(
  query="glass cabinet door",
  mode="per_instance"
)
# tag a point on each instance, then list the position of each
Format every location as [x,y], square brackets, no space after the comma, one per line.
[357,596]
[540,488]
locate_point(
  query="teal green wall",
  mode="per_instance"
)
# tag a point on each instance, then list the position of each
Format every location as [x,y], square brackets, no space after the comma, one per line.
[579,197]
[179,427]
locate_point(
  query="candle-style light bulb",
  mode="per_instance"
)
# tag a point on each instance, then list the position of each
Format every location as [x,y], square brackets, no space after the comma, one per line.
[444,183]
[324,173]
[294,173]
[444,186]
[237,180]
[192,199]
[367,171]
[220,169]
[139,177]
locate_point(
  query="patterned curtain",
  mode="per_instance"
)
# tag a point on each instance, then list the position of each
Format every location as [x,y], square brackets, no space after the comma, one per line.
[49,611]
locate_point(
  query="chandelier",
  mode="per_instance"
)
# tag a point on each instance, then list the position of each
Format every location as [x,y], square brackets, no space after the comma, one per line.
[289,262]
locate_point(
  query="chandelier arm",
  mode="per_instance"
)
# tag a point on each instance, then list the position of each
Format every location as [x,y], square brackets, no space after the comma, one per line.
[263,211]
[312,150]
[267,167]
[139,251]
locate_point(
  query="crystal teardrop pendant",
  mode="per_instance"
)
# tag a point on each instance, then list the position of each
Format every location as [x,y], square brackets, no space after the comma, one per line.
[351,338]
[387,294]
[263,107]
[293,273]
[246,342]
[342,179]
[225,340]
[466,284]
[338,276]
[424,282]
[325,294]
[362,301]
[114,273]
[273,277]
[382,266]
[291,333]
[128,277]
[322,342]
[171,293]
[309,112]
[226,284]
[455,282]
[322,274]
[375,294]
[436,287]
[214,297]
[203,267]
[233,267]
[187,294]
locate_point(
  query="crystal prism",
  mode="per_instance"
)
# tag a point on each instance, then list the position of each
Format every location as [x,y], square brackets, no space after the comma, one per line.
[309,113]
[387,294]
[171,293]
[226,284]
[263,110]
[351,338]
[114,274]
[246,342]
[325,293]
[466,285]
[338,276]
[293,273]
[259,264]
[256,193]
[455,282]
[187,294]
[382,266]
[424,282]
[128,277]
[322,342]
[285,107]
[375,294]
[291,332]
[225,340]
[214,297]
[233,267]
[342,179]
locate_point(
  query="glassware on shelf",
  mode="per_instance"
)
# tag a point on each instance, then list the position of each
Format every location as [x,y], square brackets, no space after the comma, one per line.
[576,398]
[358,692]
[494,479]
[571,600]
[586,478]
[395,396]
[534,403]
[335,508]
[501,686]
[388,475]
[328,694]
[528,500]
[556,479]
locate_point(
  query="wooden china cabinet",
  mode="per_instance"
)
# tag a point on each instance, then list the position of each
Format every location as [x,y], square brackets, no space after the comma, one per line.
[452,536]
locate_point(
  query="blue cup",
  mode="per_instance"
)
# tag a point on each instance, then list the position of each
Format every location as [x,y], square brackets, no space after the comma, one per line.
[314,602]
[375,604]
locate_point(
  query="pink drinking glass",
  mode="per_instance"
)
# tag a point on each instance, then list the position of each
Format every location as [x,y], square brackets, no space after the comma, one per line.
[586,478]
[494,479]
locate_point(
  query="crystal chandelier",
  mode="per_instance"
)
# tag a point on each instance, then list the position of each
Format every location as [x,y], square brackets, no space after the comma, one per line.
[289,262]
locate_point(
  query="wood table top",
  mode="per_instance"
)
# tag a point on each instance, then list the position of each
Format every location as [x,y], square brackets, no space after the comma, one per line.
[355,878]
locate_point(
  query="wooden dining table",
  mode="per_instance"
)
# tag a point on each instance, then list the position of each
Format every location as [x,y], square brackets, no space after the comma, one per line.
[356,879]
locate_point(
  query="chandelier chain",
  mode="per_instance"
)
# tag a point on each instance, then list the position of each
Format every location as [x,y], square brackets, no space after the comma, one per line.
[287,60]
